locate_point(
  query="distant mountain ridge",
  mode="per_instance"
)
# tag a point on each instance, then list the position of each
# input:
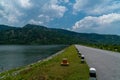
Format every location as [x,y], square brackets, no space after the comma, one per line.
[36,34]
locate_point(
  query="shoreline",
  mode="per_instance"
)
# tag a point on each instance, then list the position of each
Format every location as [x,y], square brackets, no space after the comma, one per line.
[21,60]
[47,58]
[50,69]
[14,73]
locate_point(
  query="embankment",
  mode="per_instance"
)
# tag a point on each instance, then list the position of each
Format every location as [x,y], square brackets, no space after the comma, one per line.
[50,68]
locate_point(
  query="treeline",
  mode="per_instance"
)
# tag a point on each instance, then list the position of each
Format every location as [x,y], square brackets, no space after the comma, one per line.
[109,47]
[36,35]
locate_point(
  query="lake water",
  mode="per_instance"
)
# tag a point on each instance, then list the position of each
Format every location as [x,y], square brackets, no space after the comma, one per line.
[12,56]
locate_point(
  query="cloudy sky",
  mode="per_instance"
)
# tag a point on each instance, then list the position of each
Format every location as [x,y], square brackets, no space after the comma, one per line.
[86,16]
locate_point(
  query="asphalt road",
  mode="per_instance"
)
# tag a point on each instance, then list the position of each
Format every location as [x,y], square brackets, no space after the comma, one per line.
[107,63]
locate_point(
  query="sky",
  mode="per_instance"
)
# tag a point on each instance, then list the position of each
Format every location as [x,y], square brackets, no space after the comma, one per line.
[84,16]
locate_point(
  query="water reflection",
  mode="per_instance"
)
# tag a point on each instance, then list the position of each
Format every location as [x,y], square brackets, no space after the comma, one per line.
[12,56]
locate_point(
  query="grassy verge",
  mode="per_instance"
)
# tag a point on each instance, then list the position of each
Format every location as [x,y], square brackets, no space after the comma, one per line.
[52,70]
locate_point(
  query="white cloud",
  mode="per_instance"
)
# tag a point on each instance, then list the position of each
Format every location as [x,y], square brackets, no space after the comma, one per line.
[96,7]
[24,3]
[49,11]
[65,1]
[44,18]
[108,19]
[9,13]
[79,5]
[32,21]
[106,7]
[53,9]
[104,23]
[14,12]
[68,29]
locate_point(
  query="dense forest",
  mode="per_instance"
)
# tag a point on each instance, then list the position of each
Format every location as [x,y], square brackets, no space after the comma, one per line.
[36,35]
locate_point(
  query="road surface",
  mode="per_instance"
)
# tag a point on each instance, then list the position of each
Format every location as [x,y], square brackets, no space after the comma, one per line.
[107,63]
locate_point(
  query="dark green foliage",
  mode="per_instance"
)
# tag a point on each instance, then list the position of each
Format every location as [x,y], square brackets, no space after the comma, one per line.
[35,34]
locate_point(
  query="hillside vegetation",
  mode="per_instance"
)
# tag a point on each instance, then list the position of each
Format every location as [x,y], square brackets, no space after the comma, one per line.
[35,34]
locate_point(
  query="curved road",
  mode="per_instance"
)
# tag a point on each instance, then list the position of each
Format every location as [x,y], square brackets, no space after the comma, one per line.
[107,63]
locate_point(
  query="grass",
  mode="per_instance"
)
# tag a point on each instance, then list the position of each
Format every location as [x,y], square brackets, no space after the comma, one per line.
[52,70]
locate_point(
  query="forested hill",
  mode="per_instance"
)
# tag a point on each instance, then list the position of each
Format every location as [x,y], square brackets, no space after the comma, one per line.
[35,34]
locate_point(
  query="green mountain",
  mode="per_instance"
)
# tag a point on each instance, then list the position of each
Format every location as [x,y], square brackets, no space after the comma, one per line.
[35,34]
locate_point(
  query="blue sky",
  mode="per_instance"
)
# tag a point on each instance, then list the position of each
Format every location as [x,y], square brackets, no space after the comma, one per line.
[86,16]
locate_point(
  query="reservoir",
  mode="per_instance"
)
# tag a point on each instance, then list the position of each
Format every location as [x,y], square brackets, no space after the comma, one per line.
[12,56]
